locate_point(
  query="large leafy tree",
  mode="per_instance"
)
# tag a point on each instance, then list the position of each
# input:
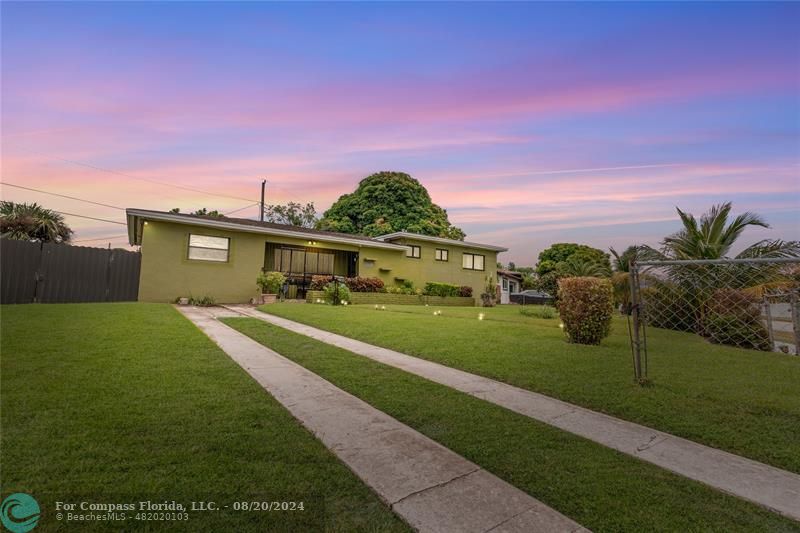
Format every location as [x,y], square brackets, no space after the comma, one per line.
[32,222]
[561,255]
[715,233]
[293,214]
[387,202]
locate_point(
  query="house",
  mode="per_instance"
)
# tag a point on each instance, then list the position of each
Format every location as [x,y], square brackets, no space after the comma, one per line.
[193,255]
[510,283]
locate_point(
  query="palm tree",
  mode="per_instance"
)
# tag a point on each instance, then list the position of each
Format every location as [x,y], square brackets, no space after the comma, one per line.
[578,267]
[32,222]
[620,279]
[713,236]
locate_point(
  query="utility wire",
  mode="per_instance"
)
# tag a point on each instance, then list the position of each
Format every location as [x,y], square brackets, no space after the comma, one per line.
[92,218]
[241,209]
[7,184]
[166,184]
[102,238]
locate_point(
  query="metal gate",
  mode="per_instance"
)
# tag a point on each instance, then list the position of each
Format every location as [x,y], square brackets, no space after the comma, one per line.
[58,273]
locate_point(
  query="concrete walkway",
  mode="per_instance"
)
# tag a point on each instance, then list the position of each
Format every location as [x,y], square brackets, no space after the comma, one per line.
[429,486]
[765,485]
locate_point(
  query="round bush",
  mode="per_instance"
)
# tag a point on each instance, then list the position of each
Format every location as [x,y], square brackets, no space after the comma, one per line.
[336,293]
[586,306]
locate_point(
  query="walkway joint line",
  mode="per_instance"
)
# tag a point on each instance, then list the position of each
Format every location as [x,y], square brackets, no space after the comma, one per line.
[433,488]
[773,488]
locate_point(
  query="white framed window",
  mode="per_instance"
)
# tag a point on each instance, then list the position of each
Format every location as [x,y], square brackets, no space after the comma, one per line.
[441,255]
[472,262]
[208,248]
[413,251]
[505,284]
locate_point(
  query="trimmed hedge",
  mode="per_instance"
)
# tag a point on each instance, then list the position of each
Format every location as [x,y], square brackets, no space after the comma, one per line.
[356,284]
[586,305]
[433,288]
[373,298]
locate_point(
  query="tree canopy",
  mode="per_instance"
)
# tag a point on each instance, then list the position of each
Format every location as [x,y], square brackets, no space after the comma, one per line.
[201,212]
[293,214]
[559,255]
[387,202]
[32,222]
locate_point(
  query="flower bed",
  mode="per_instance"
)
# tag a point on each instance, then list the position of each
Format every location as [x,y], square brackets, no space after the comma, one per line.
[397,299]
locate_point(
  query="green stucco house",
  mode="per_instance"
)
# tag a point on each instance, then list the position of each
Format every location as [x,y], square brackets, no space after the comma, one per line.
[192,255]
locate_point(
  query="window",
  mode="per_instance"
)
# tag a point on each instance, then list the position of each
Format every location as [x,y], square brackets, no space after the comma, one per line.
[441,255]
[208,248]
[472,262]
[302,261]
[413,251]
[505,284]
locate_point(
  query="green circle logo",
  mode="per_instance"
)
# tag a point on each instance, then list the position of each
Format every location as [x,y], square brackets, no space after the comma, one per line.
[19,512]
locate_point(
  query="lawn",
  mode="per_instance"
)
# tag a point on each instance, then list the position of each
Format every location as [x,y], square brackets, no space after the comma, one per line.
[742,401]
[117,403]
[598,487]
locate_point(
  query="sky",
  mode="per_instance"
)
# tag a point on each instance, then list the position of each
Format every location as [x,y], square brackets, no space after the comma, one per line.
[530,123]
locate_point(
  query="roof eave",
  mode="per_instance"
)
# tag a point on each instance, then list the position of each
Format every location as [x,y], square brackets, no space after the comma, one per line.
[429,238]
[137,216]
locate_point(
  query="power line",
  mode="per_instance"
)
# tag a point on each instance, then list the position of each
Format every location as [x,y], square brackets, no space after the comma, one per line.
[240,209]
[61,195]
[164,183]
[92,218]
[102,238]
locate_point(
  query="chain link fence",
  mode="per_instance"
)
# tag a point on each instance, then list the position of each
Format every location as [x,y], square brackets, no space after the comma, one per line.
[744,303]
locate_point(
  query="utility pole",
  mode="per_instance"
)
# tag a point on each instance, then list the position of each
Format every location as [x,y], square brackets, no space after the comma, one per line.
[263,186]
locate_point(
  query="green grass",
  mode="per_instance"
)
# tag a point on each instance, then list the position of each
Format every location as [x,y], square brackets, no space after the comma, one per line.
[598,487]
[742,401]
[128,402]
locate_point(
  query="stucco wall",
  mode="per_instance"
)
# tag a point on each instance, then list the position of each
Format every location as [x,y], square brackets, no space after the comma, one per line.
[167,273]
[426,268]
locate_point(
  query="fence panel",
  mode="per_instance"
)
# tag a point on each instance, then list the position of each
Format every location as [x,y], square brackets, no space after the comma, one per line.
[58,273]
[744,303]
[19,261]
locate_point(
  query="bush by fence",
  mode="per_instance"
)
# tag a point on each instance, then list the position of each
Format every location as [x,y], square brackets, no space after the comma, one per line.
[586,306]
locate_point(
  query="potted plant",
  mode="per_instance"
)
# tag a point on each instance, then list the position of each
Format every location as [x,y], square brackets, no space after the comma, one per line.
[270,284]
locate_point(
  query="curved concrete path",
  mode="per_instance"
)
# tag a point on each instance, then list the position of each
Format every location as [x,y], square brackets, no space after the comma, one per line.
[431,487]
[773,488]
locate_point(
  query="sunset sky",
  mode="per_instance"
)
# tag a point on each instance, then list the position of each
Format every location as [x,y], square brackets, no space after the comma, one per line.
[530,123]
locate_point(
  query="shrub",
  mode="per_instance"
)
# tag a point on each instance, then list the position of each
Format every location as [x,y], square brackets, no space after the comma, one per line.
[359,284]
[669,306]
[336,293]
[270,282]
[489,294]
[203,301]
[465,291]
[318,282]
[440,289]
[734,317]
[586,305]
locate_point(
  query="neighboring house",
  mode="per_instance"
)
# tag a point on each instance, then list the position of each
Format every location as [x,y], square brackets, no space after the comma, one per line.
[510,283]
[191,255]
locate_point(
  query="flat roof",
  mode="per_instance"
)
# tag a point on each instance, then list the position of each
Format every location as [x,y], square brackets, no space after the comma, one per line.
[137,217]
[440,240]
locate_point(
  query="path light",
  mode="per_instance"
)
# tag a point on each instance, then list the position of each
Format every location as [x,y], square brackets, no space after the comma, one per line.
[561,325]
[480,316]
[383,307]
[376,306]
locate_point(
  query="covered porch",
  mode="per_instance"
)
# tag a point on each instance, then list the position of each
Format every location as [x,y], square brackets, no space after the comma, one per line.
[300,263]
